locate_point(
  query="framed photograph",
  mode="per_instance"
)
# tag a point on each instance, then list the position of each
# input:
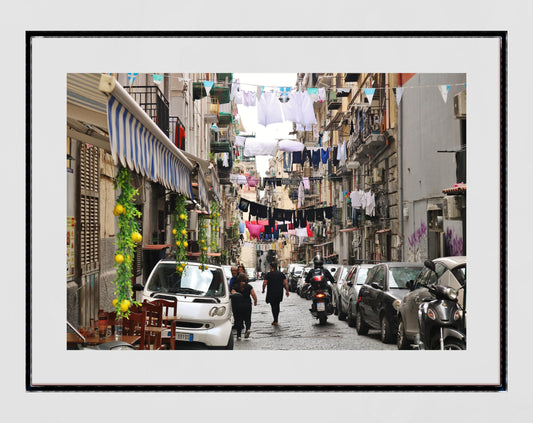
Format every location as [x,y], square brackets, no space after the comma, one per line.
[477,61]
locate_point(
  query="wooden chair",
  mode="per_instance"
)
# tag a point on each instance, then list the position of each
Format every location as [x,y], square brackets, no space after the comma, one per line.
[152,327]
[170,308]
[133,324]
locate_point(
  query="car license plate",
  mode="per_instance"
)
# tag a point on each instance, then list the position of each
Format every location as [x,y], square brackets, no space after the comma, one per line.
[320,307]
[183,336]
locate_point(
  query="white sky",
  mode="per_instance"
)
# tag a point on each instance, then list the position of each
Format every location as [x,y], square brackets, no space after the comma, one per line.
[249,114]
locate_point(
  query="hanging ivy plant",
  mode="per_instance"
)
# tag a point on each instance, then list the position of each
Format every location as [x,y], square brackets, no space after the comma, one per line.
[215,227]
[180,233]
[127,239]
[202,240]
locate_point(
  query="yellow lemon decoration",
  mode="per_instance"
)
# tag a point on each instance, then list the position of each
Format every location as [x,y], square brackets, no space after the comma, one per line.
[183,216]
[204,248]
[174,231]
[124,305]
[180,269]
[136,237]
[115,301]
[118,210]
[184,232]
[119,258]
[185,244]
[178,243]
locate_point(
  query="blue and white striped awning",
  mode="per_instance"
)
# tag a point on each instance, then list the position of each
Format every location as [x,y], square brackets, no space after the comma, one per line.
[137,148]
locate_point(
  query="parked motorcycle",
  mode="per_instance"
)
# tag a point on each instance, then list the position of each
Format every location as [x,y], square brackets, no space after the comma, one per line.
[112,345]
[322,306]
[441,321]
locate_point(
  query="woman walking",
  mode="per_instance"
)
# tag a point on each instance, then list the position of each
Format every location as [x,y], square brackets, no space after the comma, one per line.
[242,304]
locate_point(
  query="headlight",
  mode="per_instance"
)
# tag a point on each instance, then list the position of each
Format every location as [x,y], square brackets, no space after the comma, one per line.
[431,314]
[217,311]
[396,304]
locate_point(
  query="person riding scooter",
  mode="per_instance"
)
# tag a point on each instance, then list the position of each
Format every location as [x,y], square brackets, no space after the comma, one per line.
[319,270]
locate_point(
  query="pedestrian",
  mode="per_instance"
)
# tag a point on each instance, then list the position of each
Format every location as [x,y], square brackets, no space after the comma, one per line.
[241,269]
[233,276]
[242,295]
[275,281]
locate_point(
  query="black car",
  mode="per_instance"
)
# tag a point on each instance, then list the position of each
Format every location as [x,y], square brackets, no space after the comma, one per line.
[379,298]
[449,272]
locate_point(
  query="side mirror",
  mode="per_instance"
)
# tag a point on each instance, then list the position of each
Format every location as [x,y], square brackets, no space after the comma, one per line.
[429,264]
[375,285]
[138,287]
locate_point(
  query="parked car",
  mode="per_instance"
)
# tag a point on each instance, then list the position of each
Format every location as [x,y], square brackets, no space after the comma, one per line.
[449,272]
[301,280]
[379,298]
[331,267]
[252,274]
[349,291]
[293,276]
[204,305]
[339,276]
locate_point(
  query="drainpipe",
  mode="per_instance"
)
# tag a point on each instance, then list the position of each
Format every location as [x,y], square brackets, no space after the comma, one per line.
[400,177]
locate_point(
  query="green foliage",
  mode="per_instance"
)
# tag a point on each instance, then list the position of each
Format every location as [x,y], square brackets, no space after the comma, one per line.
[126,244]
[215,227]
[180,233]
[202,239]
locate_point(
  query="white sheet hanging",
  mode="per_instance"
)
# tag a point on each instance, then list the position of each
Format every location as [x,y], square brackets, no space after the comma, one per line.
[291,146]
[254,147]
[269,109]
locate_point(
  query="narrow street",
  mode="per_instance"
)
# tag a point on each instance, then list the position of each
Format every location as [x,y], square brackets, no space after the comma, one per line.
[298,330]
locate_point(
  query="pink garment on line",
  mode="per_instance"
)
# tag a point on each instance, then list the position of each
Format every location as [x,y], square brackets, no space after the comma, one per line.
[254,230]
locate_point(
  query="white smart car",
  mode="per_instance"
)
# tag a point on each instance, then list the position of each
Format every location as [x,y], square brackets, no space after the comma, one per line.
[204,307]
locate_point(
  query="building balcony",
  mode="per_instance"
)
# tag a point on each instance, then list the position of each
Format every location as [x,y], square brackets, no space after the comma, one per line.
[154,103]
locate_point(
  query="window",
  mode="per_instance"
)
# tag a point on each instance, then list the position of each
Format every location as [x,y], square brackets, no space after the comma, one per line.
[398,276]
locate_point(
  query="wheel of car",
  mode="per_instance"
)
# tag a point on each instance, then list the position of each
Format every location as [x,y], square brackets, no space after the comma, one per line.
[401,340]
[342,314]
[360,325]
[386,332]
[350,317]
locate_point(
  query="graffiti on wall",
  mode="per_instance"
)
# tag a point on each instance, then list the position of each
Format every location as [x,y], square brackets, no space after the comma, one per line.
[454,238]
[417,242]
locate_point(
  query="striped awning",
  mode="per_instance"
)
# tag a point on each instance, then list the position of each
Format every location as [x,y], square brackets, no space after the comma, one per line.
[136,147]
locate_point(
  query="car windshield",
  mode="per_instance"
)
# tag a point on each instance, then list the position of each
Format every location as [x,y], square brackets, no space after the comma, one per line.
[398,276]
[298,272]
[192,281]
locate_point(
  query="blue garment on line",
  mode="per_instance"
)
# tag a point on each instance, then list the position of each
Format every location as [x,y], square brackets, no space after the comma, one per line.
[325,155]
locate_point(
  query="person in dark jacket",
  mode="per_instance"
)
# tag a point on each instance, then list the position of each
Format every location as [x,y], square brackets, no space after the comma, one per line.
[242,295]
[275,281]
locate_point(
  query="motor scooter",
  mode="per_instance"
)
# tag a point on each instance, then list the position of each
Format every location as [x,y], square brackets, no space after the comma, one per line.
[112,345]
[321,307]
[441,321]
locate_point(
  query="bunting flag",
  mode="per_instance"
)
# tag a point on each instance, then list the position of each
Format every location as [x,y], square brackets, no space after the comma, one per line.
[398,93]
[444,92]
[370,93]
[157,78]
[131,77]
[208,85]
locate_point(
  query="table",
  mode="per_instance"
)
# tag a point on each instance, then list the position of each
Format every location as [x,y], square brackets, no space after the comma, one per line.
[72,338]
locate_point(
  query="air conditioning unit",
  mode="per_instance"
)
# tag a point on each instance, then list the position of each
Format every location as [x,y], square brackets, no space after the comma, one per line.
[377,175]
[459,105]
[452,206]
[192,222]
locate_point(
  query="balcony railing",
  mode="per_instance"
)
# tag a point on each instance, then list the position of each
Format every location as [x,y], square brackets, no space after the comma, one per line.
[154,103]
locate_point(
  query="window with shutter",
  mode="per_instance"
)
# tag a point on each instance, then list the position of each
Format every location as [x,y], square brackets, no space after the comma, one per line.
[89,209]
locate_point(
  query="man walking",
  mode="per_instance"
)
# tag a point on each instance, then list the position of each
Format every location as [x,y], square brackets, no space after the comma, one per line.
[275,281]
